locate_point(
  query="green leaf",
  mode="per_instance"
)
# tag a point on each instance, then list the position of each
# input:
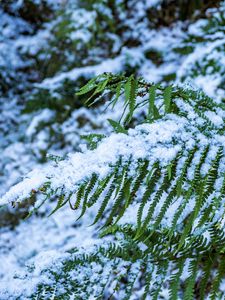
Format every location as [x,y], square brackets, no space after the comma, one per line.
[93,139]
[127,89]
[130,90]
[167,98]
[117,126]
[118,92]
[153,113]
[132,99]
[87,87]
[169,167]
[152,95]
[101,86]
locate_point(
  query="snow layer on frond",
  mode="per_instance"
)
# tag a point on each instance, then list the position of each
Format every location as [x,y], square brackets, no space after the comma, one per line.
[160,141]
[151,141]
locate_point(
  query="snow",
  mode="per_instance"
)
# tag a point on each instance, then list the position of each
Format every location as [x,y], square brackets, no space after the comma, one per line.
[51,237]
[44,116]
[151,141]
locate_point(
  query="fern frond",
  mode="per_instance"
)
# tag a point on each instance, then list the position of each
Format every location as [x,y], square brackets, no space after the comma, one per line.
[156,188]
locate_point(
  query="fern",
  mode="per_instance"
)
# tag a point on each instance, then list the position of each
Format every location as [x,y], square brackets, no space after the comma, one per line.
[168,174]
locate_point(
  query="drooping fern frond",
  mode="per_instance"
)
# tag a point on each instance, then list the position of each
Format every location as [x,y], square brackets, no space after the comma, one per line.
[119,269]
[158,184]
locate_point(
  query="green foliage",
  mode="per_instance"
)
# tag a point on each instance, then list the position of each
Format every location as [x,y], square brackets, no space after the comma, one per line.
[193,239]
[155,99]
[116,269]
